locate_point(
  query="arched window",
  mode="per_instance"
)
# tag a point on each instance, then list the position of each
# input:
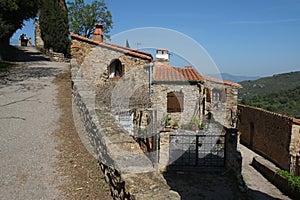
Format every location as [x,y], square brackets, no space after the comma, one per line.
[115,69]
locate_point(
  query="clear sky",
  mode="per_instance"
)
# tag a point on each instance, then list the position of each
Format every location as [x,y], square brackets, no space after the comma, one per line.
[243,37]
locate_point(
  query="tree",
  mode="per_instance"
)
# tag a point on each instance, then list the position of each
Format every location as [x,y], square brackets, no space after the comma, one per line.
[54,25]
[12,15]
[83,17]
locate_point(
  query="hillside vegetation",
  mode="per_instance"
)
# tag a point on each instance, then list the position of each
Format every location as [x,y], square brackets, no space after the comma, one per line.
[279,93]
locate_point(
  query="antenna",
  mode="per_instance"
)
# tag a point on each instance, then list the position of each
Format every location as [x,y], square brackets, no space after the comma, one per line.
[138,44]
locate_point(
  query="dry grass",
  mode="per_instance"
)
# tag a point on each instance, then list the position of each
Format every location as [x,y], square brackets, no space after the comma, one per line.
[84,180]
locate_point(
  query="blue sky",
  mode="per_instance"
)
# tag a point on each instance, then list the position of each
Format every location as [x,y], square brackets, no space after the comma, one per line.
[243,37]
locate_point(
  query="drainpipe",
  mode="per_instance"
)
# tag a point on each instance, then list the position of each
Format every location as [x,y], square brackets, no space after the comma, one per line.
[150,78]
[200,101]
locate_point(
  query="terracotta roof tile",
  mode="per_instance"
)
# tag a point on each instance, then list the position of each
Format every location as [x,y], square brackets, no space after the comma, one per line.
[226,82]
[166,73]
[125,50]
[296,121]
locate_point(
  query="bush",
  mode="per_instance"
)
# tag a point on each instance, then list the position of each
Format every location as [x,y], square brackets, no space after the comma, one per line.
[294,181]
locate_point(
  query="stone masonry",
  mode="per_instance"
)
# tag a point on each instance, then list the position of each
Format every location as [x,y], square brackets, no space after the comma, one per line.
[274,136]
[39,43]
[191,101]
[225,110]
[128,171]
[94,60]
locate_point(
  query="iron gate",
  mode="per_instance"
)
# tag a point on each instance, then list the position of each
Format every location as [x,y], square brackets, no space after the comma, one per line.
[197,150]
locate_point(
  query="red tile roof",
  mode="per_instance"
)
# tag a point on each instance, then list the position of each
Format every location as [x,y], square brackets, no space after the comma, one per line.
[125,50]
[296,121]
[226,82]
[166,73]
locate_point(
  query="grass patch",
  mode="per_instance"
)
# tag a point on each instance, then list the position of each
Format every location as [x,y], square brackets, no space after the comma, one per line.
[294,181]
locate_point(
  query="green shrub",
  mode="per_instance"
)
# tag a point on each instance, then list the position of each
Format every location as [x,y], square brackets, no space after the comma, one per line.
[294,181]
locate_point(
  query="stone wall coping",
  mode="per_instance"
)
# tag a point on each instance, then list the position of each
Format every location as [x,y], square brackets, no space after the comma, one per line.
[286,117]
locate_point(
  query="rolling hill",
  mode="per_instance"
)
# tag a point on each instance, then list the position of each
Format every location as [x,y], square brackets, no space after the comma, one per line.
[279,93]
[234,78]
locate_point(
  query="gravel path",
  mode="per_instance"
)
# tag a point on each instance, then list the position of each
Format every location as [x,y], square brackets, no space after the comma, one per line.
[28,117]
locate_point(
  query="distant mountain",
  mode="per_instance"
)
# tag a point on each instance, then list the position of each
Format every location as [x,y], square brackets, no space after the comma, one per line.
[237,78]
[268,85]
[279,93]
[234,78]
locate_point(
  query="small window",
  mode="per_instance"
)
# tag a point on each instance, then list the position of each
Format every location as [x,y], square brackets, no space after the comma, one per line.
[175,102]
[216,95]
[115,69]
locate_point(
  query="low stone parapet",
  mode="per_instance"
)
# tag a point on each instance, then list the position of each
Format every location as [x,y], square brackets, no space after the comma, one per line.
[268,170]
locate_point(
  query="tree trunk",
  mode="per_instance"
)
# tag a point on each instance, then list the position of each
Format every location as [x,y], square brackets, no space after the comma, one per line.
[4,48]
[4,42]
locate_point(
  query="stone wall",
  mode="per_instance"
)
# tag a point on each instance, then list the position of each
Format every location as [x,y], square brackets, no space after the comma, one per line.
[80,50]
[94,61]
[191,104]
[127,169]
[39,43]
[267,133]
[295,149]
[269,171]
[224,111]
[233,157]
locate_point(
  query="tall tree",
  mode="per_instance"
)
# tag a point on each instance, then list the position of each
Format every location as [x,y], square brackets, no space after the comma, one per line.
[83,17]
[12,15]
[54,25]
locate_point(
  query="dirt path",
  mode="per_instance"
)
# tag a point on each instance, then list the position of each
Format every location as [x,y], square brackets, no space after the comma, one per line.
[41,154]
[85,178]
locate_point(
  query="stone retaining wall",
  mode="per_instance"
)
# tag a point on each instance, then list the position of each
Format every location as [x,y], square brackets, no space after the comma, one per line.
[127,169]
[268,133]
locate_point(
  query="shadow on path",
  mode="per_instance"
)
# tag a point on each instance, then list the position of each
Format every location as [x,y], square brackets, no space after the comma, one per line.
[210,185]
[204,185]
[16,68]
[257,195]
[22,54]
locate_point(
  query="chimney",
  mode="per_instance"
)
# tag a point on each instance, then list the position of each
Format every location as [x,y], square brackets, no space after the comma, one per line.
[162,55]
[98,33]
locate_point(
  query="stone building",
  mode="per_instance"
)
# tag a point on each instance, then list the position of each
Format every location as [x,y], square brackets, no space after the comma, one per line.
[184,94]
[176,92]
[102,61]
[221,97]
[180,93]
